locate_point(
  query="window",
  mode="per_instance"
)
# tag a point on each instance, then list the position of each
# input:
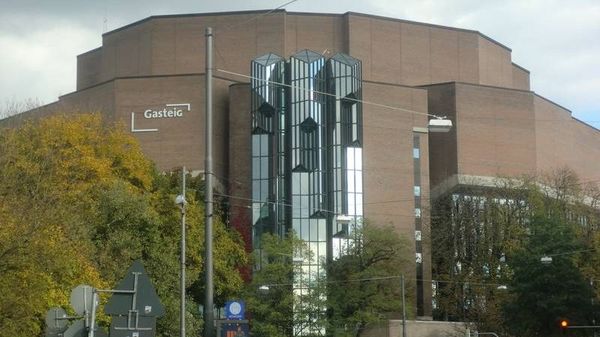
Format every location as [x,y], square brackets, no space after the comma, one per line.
[417,191]
[417,212]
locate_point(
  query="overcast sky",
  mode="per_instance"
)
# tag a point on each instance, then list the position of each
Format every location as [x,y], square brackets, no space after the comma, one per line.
[558,41]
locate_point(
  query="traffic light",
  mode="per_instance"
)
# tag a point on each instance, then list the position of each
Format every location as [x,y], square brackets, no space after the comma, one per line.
[564,325]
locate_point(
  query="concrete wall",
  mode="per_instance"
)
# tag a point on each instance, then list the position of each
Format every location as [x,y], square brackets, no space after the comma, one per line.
[393,328]
[427,329]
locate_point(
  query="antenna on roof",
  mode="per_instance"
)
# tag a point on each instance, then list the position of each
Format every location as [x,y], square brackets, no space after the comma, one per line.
[105,19]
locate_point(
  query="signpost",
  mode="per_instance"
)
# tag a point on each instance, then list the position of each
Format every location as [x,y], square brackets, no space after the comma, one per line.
[134,305]
[134,308]
[234,325]
[235,310]
[135,294]
[234,329]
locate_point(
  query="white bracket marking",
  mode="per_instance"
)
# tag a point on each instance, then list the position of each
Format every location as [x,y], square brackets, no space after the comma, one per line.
[187,105]
[133,129]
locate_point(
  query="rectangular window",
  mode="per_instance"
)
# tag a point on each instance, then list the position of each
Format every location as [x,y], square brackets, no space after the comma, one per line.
[416,153]
[417,191]
[417,212]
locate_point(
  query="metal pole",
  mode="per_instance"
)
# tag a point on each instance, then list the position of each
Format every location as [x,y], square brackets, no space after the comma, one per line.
[208,259]
[403,306]
[182,260]
[93,318]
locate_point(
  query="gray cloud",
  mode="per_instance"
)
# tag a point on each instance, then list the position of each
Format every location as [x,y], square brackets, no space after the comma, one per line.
[556,40]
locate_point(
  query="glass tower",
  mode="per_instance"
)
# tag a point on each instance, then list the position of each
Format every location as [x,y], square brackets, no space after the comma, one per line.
[307,153]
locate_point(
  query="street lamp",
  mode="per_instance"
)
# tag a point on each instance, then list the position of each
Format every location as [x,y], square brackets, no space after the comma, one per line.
[439,124]
[181,202]
[403,306]
[546,260]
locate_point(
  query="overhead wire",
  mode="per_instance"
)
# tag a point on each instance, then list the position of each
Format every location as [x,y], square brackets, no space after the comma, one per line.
[227,28]
[302,208]
[380,278]
[217,31]
[291,86]
[230,27]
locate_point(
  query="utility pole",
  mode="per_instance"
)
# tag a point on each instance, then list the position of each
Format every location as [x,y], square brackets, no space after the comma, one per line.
[182,203]
[208,210]
[403,306]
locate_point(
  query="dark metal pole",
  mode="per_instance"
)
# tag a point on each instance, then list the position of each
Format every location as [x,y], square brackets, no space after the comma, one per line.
[182,260]
[208,233]
[403,306]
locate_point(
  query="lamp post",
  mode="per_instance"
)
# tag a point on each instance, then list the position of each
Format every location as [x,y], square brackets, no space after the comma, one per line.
[403,306]
[209,315]
[180,200]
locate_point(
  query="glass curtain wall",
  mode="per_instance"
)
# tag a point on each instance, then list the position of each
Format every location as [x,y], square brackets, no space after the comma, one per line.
[307,107]
[345,150]
[307,158]
[268,109]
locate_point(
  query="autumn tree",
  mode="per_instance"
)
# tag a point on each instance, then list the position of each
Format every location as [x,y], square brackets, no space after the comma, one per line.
[78,203]
[473,229]
[13,106]
[478,230]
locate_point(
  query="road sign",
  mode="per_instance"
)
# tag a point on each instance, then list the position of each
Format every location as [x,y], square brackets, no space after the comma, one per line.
[144,300]
[122,326]
[235,310]
[77,329]
[81,299]
[234,330]
[56,319]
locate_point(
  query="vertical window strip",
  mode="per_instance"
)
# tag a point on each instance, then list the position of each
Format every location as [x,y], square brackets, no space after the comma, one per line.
[418,225]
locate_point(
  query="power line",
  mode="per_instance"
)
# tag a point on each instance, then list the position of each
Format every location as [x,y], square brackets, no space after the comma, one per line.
[393,277]
[230,27]
[331,95]
[302,208]
[393,107]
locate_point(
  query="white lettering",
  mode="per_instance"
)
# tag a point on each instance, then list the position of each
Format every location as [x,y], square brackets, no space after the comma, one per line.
[171,112]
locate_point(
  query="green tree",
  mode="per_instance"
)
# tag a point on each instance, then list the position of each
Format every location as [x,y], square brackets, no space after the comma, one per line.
[542,294]
[78,203]
[473,228]
[281,297]
[363,286]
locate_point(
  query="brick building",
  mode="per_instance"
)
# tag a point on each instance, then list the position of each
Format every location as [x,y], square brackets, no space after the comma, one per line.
[150,75]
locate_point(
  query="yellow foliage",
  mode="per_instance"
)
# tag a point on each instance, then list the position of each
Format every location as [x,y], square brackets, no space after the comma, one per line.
[51,172]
